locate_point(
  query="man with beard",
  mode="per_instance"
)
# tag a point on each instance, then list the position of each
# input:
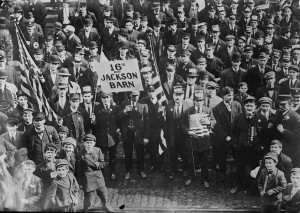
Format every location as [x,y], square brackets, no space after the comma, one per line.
[248,135]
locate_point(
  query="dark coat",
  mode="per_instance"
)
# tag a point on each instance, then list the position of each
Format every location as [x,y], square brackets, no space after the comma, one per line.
[169,91]
[286,86]
[248,64]
[293,205]
[276,182]
[60,17]
[140,118]
[108,40]
[255,78]
[49,136]
[39,12]
[196,54]
[58,109]
[78,22]
[94,36]
[215,66]
[17,140]
[173,39]
[62,195]
[223,122]
[72,72]
[61,36]
[228,80]
[183,70]
[224,55]
[106,124]
[171,121]
[72,43]
[88,77]
[90,177]
[143,9]
[263,92]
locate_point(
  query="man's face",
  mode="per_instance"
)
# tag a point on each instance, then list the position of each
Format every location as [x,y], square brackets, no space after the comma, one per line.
[265,107]
[22,101]
[199,103]
[275,148]
[254,24]
[203,81]
[170,73]
[203,29]
[185,41]
[215,34]
[210,92]
[50,154]
[63,79]
[109,24]
[77,62]
[222,15]
[49,43]
[129,26]
[287,12]
[62,171]
[250,108]
[27,116]
[147,76]
[62,92]
[38,57]
[129,13]
[236,64]
[53,66]
[202,66]
[296,55]
[241,43]
[178,97]
[171,54]
[230,43]
[83,10]
[144,23]
[11,128]
[184,58]
[107,13]
[123,51]
[152,94]
[262,62]
[65,5]
[74,104]
[271,81]
[270,164]
[295,178]
[30,29]
[94,51]
[157,28]
[195,27]
[248,54]
[62,135]
[286,64]
[141,46]
[201,44]
[87,27]
[87,98]
[211,13]
[284,106]
[247,14]
[296,101]
[286,50]
[209,51]
[270,31]
[173,27]
[228,98]
[39,124]
[134,98]
[106,100]
[191,80]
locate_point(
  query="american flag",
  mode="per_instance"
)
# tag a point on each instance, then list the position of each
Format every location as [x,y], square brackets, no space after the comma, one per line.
[30,83]
[160,94]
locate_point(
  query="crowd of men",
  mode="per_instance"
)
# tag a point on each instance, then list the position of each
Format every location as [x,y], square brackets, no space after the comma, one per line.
[231,66]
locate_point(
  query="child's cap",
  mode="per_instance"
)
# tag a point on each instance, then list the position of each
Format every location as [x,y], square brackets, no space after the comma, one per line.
[61,162]
[2,150]
[50,146]
[29,162]
[274,142]
[69,140]
[89,137]
[272,155]
[295,170]
[63,129]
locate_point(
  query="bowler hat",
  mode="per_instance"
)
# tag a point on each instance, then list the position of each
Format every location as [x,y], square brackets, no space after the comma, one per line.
[123,32]
[54,59]
[236,57]
[93,44]
[64,72]
[18,9]
[136,15]
[12,121]
[284,98]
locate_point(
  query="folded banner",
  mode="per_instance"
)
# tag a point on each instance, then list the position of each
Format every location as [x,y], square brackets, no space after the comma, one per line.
[119,76]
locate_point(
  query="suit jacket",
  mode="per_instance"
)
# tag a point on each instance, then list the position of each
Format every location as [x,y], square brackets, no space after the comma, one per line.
[276,182]
[106,124]
[88,77]
[173,39]
[39,12]
[69,62]
[93,36]
[60,17]
[32,40]
[72,88]
[247,65]
[72,72]
[255,78]
[227,78]
[220,45]
[58,109]
[10,151]
[108,40]
[286,86]
[263,92]
[17,140]
[289,137]
[60,193]
[61,36]
[214,101]
[143,9]
[72,43]
[171,123]
[162,64]
[292,205]
[161,16]
[90,177]
[223,121]
[285,164]
[140,119]
[204,143]
[49,136]
[183,70]
[224,55]
[78,22]
[75,124]
[6,43]
[215,66]
[169,91]
[133,36]
[158,45]
[195,87]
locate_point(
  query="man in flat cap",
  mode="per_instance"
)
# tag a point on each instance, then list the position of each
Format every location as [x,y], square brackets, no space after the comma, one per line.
[270,90]
[185,44]
[174,35]
[255,76]
[144,29]
[13,135]
[135,123]
[191,87]
[288,129]
[170,58]
[49,47]
[291,195]
[88,33]
[248,135]
[73,119]
[7,94]
[247,60]
[234,75]
[33,39]
[82,14]
[224,113]
[38,137]
[184,64]
[62,97]
[214,64]
[58,34]
[133,34]
[227,52]
[218,43]
[72,39]
[66,15]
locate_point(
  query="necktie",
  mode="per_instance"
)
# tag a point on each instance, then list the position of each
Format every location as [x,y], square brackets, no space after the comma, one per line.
[177,111]
[106,108]
[77,73]
[12,139]
[198,110]
[208,102]
[190,93]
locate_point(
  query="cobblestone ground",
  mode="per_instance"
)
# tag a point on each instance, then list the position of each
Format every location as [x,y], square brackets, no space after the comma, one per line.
[157,192]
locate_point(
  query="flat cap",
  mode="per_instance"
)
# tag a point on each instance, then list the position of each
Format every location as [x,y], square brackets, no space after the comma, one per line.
[201,60]
[270,74]
[142,41]
[294,67]
[248,48]
[135,93]
[271,155]
[262,55]
[249,99]
[171,48]
[211,85]
[89,137]
[295,170]
[295,92]
[146,69]
[86,89]
[284,98]
[69,28]
[229,37]
[74,96]
[192,72]
[105,94]
[62,85]
[265,100]
[57,25]
[170,67]
[123,32]
[63,129]
[61,162]
[70,140]
[39,116]
[178,89]
[28,162]
[12,121]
